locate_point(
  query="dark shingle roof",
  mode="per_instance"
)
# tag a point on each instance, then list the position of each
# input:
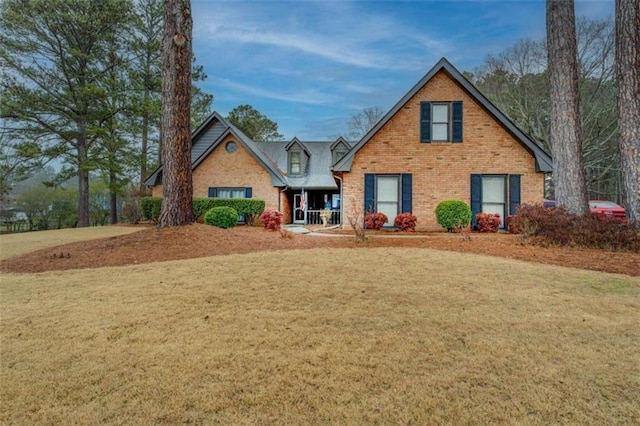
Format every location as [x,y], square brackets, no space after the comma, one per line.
[318,170]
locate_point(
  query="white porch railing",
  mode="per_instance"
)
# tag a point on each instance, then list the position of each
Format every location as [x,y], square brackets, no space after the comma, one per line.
[314,218]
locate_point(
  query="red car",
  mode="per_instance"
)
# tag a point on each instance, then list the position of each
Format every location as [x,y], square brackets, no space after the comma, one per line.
[608,209]
[600,207]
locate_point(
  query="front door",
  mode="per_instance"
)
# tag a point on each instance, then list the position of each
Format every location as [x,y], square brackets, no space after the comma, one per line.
[298,208]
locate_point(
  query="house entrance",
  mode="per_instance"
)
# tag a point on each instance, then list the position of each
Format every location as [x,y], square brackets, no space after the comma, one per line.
[298,208]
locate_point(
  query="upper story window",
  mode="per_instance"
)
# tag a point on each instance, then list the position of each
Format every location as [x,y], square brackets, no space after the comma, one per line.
[441,121]
[294,163]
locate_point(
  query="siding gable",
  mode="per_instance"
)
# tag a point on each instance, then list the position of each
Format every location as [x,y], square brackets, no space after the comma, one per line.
[206,139]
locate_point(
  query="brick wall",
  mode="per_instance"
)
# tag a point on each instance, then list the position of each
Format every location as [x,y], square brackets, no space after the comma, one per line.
[441,170]
[237,169]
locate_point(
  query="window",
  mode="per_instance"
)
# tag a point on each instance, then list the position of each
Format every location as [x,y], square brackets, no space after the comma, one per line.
[339,153]
[294,163]
[388,194]
[494,194]
[441,122]
[387,191]
[231,193]
[231,147]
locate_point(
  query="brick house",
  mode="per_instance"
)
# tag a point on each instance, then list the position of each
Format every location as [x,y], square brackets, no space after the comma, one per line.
[443,140]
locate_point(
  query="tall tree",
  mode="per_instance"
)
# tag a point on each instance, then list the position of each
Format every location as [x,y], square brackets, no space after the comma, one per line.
[516,81]
[146,82]
[254,124]
[177,184]
[52,62]
[565,130]
[361,122]
[628,96]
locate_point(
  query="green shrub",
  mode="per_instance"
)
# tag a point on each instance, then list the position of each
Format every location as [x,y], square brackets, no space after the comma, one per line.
[453,215]
[249,208]
[201,206]
[151,207]
[222,217]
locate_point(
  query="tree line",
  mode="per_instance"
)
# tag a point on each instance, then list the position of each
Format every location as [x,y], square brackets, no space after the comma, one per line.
[80,83]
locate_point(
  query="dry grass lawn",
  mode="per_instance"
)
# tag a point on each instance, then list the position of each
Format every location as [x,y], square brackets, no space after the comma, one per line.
[12,245]
[355,336]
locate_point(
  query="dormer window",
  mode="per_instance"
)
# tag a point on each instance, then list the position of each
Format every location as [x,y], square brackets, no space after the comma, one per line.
[338,149]
[294,163]
[298,157]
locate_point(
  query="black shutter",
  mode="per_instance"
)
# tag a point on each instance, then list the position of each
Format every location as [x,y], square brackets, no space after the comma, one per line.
[514,194]
[476,197]
[425,122]
[406,206]
[369,190]
[248,193]
[457,121]
[213,192]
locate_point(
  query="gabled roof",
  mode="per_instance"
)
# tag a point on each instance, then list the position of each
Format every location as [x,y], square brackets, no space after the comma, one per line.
[543,160]
[296,141]
[340,141]
[277,178]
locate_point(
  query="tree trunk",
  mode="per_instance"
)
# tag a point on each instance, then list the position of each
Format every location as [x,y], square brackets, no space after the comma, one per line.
[145,144]
[628,96]
[113,198]
[177,185]
[83,181]
[565,129]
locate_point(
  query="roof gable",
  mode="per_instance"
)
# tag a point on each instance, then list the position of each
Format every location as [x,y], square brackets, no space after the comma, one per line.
[209,135]
[543,160]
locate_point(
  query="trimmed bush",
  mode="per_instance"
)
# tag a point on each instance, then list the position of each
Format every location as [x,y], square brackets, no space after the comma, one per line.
[271,219]
[201,206]
[555,226]
[375,220]
[488,222]
[249,208]
[151,207]
[222,217]
[453,215]
[405,222]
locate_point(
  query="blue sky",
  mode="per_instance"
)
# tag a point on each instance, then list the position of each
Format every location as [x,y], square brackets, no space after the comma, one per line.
[309,65]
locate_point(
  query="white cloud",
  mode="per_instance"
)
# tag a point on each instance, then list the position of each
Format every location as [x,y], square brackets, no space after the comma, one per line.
[303,96]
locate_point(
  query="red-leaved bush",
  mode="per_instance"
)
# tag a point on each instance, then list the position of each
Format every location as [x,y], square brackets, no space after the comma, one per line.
[375,220]
[555,226]
[405,222]
[271,219]
[487,222]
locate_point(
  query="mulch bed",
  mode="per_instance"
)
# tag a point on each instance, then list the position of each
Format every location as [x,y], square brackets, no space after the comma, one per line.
[161,244]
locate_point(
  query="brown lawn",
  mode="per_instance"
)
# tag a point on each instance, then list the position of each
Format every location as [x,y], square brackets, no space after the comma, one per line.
[296,332]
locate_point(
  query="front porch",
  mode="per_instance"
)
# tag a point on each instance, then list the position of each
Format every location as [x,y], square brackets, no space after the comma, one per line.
[307,206]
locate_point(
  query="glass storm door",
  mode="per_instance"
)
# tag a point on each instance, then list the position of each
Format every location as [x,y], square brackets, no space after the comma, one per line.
[298,208]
